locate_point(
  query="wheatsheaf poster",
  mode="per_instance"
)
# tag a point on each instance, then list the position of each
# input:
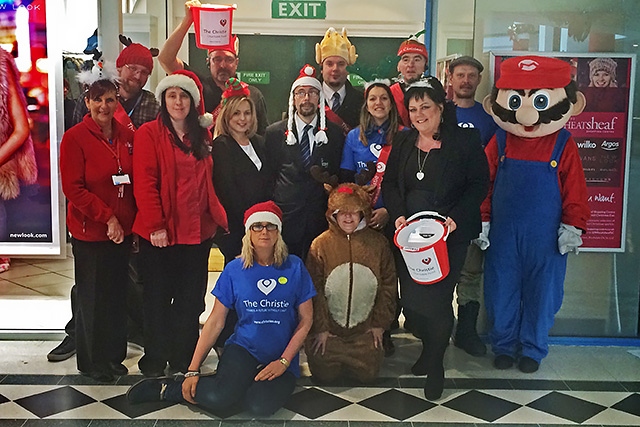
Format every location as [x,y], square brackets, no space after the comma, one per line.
[602,132]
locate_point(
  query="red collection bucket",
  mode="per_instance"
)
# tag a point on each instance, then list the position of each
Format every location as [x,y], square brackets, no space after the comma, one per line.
[423,244]
[213,24]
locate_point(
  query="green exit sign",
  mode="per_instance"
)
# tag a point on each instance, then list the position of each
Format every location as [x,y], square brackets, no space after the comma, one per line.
[255,77]
[305,9]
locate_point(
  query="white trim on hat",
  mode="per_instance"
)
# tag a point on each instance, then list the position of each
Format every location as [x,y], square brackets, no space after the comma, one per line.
[183,82]
[263,216]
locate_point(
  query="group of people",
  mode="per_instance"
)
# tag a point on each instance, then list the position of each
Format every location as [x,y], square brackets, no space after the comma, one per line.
[303,210]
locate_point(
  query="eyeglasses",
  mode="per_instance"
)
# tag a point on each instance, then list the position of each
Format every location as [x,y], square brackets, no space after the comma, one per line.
[257,227]
[302,94]
[228,60]
[135,70]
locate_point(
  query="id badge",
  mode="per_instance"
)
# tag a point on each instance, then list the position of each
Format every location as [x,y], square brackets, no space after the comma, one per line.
[121,179]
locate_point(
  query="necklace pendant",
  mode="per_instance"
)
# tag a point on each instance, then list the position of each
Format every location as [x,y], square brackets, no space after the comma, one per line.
[419,175]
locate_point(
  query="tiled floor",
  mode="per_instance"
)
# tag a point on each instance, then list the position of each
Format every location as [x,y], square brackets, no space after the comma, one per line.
[575,385]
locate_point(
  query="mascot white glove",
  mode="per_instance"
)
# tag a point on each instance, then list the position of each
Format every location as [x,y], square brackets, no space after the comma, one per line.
[483,239]
[569,238]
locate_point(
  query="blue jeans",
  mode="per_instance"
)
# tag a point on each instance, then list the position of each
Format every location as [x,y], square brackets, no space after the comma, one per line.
[233,385]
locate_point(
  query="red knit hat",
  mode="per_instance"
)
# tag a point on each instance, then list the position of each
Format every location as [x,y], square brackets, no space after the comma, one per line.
[413,46]
[263,212]
[234,87]
[189,82]
[534,72]
[136,54]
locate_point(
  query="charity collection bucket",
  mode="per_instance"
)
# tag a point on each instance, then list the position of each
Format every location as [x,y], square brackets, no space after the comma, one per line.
[423,244]
[213,24]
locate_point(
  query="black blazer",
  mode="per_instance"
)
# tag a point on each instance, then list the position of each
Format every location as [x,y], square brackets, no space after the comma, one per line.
[349,110]
[238,183]
[462,186]
[302,199]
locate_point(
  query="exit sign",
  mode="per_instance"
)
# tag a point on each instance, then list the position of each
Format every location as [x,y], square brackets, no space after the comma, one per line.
[305,9]
[255,77]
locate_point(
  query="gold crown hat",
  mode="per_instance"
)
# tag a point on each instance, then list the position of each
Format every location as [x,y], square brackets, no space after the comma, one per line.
[336,44]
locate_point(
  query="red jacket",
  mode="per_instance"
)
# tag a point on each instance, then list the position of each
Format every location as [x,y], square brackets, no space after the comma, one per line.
[86,168]
[155,185]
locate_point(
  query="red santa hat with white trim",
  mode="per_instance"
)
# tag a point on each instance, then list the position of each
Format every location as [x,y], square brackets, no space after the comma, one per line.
[307,77]
[263,212]
[190,83]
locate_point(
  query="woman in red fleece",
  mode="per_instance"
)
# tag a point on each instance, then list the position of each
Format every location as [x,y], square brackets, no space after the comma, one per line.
[95,168]
[178,216]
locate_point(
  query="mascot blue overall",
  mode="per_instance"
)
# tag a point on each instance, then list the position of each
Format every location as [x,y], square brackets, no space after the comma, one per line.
[536,209]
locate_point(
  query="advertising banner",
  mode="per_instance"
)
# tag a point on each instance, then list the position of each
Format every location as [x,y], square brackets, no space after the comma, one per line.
[602,132]
[29,213]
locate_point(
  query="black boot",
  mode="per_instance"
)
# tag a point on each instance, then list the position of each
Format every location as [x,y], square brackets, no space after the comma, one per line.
[466,336]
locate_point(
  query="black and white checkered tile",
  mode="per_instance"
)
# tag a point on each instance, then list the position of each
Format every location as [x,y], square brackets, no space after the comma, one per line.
[76,400]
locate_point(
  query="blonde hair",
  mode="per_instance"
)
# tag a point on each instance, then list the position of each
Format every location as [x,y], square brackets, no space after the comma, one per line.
[280,251]
[230,106]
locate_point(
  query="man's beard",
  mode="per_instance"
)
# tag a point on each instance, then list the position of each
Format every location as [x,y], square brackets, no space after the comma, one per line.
[307,110]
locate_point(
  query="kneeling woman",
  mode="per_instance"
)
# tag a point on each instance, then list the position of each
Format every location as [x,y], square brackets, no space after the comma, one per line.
[271,291]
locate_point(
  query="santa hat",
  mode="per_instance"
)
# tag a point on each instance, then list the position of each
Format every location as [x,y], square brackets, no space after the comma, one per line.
[233,47]
[190,83]
[307,77]
[234,87]
[136,54]
[263,212]
[336,44]
[534,72]
[412,45]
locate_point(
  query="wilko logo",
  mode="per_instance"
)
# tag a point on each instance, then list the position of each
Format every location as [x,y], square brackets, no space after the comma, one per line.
[610,145]
[426,261]
[587,144]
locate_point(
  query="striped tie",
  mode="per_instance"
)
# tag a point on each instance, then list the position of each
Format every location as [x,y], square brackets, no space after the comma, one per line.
[304,147]
[335,99]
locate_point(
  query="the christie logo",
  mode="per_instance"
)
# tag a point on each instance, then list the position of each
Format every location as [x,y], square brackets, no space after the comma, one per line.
[426,261]
[593,124]
[587,144]
[610,145]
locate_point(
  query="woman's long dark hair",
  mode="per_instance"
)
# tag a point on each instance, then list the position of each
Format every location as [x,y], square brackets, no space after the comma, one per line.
[366,119]
[198,136]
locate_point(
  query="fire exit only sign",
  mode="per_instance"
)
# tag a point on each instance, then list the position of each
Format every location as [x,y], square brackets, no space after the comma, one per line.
[305,9]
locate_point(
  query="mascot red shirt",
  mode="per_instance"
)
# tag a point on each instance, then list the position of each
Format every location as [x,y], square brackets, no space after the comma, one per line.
[536,209]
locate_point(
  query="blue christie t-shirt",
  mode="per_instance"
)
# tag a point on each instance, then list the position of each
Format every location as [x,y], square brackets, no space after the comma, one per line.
[266,300]
[355,155]
[476,117]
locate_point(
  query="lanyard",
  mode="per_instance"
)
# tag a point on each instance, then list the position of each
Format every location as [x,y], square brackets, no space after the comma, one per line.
[115,153]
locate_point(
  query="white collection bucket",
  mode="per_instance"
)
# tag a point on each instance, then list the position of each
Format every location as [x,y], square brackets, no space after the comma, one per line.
[423,244]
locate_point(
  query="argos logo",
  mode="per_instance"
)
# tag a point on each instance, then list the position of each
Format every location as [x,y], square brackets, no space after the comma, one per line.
[610,145]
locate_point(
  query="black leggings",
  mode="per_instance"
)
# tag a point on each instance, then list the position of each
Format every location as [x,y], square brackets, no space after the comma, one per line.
[428,309]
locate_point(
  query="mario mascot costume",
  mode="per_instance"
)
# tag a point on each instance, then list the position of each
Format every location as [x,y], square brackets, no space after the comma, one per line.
[536,209]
